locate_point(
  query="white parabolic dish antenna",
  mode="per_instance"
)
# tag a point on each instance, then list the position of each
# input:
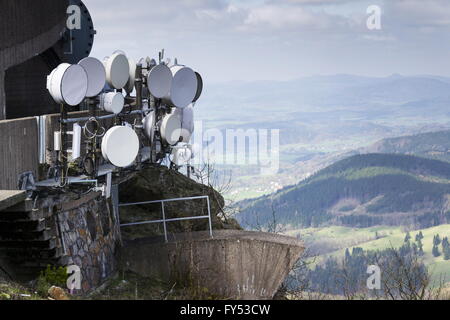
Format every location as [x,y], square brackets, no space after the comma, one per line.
[96,75]
[187,122]
[120,146]
[130,83]
[68,84]
[112,102]
[160,81]
[148,123]
[184,86]
[117,70]
[199,87]
[171,129]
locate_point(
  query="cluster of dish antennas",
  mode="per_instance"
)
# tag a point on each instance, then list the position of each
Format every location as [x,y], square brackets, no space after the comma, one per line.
[164,96]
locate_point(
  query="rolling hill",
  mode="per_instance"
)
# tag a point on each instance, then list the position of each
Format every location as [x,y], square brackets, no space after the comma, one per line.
[434,145]
[360,191]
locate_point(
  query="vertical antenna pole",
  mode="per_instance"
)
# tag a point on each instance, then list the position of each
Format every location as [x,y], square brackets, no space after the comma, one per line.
[63,152]
[138,86]
[93,142]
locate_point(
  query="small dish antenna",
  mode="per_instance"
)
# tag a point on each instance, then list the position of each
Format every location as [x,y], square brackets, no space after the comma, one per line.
[149,126]
[117,70]
[160,81]
[96,75]
[199,87]
[120,146]
[112,102]
[187,122]
[129,87]
[68,84]
[184,87]
[171,129]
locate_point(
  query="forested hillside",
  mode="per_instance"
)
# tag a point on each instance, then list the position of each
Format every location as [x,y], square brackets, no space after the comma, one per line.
[361,191]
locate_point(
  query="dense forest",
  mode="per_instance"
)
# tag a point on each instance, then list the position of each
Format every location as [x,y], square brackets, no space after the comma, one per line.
[434,145]
[360,191]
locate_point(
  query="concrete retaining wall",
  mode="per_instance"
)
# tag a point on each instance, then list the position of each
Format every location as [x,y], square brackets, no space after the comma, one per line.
[18,150]
[234,264]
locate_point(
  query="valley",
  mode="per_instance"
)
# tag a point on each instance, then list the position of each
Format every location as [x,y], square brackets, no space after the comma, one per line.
[323,119]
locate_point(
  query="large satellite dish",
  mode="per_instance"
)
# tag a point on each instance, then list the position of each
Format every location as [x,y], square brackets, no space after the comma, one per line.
[171,129]
[96,75]
[120,146]
[68,84]
[184,87]
[129,87]
[160,81]
[112,102]
[117,70]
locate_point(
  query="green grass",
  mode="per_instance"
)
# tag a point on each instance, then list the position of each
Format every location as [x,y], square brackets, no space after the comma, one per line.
[13,291]
[341,234]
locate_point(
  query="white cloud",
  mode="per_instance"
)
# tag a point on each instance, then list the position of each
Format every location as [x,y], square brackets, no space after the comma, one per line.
[283,17]
[231,39]
[419,13]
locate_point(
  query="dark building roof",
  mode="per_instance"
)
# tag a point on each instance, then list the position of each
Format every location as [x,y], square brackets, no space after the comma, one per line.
[30,32]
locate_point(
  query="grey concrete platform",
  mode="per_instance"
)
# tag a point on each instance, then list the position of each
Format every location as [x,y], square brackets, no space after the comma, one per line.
[9,198]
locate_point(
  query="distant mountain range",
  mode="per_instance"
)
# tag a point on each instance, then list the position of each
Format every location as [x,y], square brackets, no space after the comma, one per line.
[361,191]
[320,92]
[323,119]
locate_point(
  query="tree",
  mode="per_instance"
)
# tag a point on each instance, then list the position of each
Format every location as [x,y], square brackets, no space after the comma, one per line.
[420,246]
[407,237]
[445,242]
[435,251]
[347,255]
[419,236]
[446,253]
[446,248]
[436,240]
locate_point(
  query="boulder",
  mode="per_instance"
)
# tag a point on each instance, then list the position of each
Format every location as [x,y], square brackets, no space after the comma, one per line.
[160,183]
[57,293]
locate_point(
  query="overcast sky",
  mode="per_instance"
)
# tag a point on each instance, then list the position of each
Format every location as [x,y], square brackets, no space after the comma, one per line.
[229,40]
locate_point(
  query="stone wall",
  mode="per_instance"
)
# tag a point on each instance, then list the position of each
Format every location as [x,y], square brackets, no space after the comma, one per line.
[61,230]
[90,235]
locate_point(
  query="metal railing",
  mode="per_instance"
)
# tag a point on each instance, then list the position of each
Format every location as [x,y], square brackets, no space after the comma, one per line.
[164,221]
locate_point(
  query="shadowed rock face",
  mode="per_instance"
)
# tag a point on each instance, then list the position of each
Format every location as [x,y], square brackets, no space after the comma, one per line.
[159,183]
[234,264]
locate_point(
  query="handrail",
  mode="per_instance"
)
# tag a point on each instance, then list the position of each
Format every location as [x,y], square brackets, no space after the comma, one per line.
[164,220]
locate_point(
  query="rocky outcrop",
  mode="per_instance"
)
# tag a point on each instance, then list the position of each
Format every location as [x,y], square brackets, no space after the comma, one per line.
[159,183]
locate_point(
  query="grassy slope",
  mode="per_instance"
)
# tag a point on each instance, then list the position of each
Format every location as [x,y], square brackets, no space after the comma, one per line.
[13,291]
[394,238]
